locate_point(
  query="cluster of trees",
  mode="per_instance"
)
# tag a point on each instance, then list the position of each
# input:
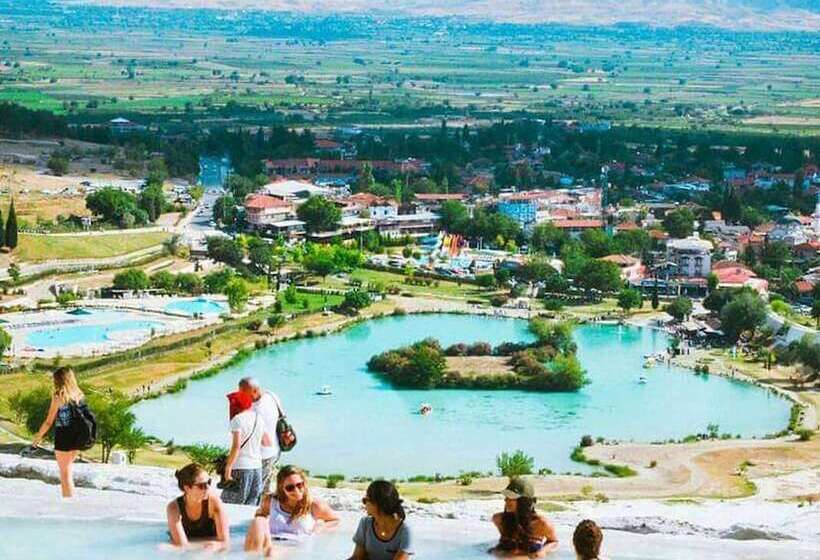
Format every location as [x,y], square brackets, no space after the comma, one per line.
[116,424]
[322,260]
[17,121]
[741,311]
[126,210]
[319,214]
[490,227]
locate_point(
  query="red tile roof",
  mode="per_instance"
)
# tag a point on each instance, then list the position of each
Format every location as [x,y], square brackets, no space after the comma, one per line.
[803,286]
[627,226]
[620,260]
[264,201]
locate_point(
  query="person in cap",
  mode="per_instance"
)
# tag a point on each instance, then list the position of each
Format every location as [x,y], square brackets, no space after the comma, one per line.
[587,540]
[242,474]
[523,531]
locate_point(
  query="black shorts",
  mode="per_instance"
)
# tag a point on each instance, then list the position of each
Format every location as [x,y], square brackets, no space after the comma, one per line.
[64,440]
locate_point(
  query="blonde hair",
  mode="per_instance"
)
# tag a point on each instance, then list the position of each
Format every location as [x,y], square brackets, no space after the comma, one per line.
[66,389]
[304,506]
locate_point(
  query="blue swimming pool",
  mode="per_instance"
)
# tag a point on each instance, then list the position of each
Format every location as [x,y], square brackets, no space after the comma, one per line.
[198,306]
[95,328]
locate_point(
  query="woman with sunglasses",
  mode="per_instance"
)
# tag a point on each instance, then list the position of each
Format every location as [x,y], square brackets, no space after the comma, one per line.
[522,530]
[290,513]
[197,519]
[382,534]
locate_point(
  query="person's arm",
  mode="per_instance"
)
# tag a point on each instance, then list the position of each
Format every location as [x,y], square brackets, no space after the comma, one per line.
[178,536]
[220,517]
[359,553]
[323,512]
[401,555]
[234,453]
[543,528]
[267,440]
[46,425]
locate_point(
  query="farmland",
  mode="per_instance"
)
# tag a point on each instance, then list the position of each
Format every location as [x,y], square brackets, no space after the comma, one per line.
[180,65]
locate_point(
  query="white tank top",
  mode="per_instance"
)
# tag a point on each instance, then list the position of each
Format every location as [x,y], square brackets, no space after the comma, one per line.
[282,526]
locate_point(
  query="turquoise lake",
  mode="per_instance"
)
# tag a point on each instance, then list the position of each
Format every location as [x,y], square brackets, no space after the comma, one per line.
[368,428]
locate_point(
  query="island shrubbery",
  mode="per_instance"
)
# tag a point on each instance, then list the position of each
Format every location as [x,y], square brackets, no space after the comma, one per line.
[548,364]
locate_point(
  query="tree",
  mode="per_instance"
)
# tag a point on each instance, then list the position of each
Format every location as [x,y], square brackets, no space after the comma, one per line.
[157,172]
[205,454]
[225,250]
[454,217]
[679,223]
[152,201]
[680,308]
[58,164]
[238,294]
[815,311]
[14,272]
[224,211]
[535,269]
[365,181]
[31,407]
[115,207]
[599,275]
[354,301]
[115,421]
[132,279]
[744,313]
[514,464]
[717,299]
[320,262]
[276,321]
[556,334]
[712,282]
[5,341]
[319,214]
[132,441]
[655,301]
[163,280]
[217,281]
[189,283]
[547,238]
[629,298]
[2,231]
[11,228]
[596,243]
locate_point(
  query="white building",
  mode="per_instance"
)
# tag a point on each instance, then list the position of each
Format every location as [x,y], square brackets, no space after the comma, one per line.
[295,191]
[693,256]
[789,230]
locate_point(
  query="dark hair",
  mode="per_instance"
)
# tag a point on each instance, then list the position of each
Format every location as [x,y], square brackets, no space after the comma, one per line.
[385,496]
[587,539]
[520,520]
[186,476]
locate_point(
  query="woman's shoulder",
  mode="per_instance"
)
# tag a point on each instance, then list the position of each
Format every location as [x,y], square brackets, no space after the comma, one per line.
[173,506]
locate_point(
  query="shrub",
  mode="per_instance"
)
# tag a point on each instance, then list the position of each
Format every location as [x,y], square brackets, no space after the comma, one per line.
[499,300]
[805,434]
[553,304]
[586,441]
[465,479]
[205,454]
[515,464]
[333,480]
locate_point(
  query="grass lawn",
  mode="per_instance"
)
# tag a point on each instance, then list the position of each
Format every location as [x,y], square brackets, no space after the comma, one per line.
[39,248]
[311,302]
[444,289]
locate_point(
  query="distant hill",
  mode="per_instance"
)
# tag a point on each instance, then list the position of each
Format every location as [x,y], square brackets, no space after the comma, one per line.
[732,14]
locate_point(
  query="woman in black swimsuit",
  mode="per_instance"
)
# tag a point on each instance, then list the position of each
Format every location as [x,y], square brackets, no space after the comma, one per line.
[197,519]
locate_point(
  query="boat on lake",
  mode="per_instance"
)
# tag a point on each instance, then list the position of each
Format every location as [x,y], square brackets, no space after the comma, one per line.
[324,391]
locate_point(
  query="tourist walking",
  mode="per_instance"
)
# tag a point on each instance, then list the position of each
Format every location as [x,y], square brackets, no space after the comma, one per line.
[587,541]
[242,472]
[383,534]
[270,411]
[522,530]
[288,513]
[197,518]
[74,426]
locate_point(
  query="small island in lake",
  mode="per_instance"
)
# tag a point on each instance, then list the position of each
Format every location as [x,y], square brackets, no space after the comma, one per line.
[548,364]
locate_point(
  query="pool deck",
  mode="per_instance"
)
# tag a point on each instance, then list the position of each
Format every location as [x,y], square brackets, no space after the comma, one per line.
[637,528]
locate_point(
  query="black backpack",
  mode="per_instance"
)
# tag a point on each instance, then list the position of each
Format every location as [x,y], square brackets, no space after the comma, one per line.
[83,426]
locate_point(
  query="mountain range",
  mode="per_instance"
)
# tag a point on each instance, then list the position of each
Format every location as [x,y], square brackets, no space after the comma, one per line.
[731,14]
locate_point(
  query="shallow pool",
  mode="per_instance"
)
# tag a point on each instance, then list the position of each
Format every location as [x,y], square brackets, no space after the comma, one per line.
[198,306]
[38,539]
[368,428]
[98,327]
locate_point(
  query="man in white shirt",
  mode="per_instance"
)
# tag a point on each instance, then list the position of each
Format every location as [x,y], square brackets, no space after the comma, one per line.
[242,476]
[267,405]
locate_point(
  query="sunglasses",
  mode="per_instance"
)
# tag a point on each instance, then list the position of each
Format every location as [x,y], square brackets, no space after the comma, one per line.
[292,487]
[202,485]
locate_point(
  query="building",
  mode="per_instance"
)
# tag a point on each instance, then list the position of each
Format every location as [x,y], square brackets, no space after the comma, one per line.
[294,191]
[522,209]
[574,228]
[429,203]
[120,126]
[263,211]
[631,268]
[733,276]
[789,230]
[692,256]
[413,225]
[377,208]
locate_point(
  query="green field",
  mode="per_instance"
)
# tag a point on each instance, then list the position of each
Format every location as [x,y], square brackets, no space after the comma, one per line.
[41,248]
[390,74]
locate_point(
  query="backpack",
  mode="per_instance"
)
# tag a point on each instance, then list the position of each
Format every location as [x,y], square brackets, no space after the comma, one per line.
[83,426]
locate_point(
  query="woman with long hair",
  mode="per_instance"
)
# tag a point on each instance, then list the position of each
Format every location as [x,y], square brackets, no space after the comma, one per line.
[383,533]
[522,530]
[66,394]
[289,513]
[197,518]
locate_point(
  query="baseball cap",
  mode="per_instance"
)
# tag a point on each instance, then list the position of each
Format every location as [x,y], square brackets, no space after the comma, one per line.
[238,402]
[519,488]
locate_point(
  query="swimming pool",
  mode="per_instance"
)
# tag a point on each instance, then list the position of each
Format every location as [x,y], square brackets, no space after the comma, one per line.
[366,427]
[96,327]
[197,306]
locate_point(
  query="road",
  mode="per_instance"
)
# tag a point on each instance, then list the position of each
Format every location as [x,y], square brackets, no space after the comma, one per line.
[196,227]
